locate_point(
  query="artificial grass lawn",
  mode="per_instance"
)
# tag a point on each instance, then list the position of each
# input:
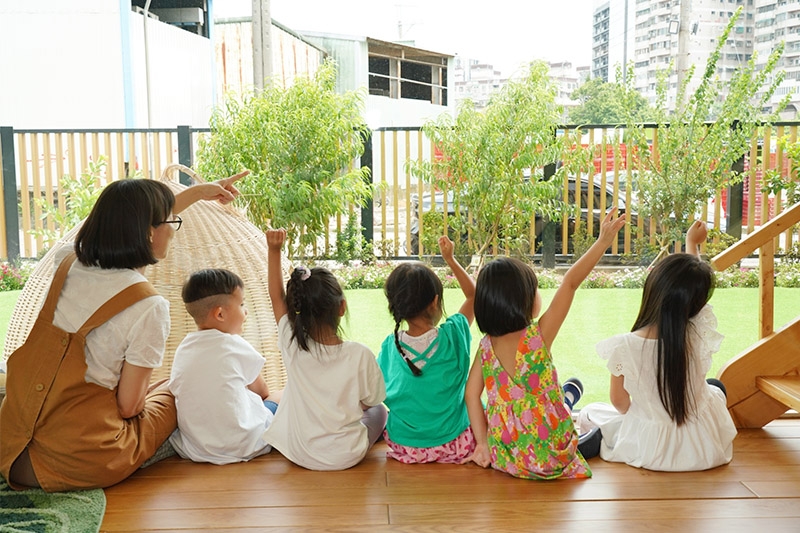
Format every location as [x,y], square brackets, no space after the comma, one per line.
[595,315]
[7,301]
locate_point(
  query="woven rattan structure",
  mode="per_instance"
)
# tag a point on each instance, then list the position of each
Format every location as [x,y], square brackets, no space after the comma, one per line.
[212,236]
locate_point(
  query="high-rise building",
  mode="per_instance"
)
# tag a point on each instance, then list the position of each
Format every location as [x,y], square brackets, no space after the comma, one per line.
[678,34]
[776,21]
[600,39]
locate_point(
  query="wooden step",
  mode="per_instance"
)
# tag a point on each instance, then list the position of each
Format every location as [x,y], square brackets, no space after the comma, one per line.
[785,389]
[775,355]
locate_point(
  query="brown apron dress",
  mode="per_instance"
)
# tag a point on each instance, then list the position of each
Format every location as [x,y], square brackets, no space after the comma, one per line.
[72,429]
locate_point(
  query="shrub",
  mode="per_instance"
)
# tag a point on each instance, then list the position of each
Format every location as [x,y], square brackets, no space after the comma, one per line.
[14,277]
[548,279]
[599,279]
[351,244]
[737,277]
[788,275]
[631,279]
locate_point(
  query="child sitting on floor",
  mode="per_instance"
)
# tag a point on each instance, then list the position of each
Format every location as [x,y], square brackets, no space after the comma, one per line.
[331,412]
[224,405]
[426,367]
[527,428]
[665,414]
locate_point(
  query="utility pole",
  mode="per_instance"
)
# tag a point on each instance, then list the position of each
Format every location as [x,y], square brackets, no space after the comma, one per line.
[262,43]
[624,48]
[682,63]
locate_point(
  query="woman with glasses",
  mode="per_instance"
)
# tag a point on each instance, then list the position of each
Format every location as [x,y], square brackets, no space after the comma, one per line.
[79,411]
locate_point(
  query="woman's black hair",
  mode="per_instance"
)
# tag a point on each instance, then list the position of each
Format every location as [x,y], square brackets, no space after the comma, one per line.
[313,303]
[504,296]
[675,291]
[410,289]
[117,232]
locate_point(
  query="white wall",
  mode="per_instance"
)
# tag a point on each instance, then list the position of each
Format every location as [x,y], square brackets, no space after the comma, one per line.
[60,64]
[181,76]
[383,112]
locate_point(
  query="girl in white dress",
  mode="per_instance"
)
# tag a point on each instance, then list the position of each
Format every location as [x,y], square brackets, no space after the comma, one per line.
[665,415]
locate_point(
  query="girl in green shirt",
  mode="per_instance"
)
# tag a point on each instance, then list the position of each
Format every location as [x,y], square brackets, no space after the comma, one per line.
[425,366]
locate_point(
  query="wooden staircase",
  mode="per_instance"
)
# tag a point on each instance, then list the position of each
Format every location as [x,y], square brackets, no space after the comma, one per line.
[763,382]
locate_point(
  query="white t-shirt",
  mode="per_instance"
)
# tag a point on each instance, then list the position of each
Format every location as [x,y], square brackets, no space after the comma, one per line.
[646,436]
[220,420]
[137,334]
[318,424]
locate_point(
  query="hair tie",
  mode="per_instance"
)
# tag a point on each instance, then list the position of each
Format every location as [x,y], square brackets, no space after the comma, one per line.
[305,273]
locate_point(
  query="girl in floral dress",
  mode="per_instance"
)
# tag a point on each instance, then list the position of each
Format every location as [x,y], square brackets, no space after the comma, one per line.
[526,429]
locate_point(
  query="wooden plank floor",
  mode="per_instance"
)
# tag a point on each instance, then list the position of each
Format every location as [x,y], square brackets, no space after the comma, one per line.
[759,490]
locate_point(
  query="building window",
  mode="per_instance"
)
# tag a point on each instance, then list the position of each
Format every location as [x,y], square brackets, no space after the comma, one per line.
[395,76]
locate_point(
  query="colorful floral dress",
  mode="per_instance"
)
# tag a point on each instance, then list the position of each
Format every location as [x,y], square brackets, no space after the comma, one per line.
[531,432]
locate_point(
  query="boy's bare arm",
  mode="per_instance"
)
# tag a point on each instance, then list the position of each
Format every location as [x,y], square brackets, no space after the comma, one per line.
[259,386]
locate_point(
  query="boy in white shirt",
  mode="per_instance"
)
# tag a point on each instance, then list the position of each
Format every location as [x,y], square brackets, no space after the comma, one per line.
[224,405]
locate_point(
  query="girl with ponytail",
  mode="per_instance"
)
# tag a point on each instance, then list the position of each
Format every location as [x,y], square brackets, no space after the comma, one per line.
[330,412]
[425,366]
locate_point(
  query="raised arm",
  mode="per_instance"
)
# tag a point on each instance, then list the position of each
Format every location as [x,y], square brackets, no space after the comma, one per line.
[223,190]
[277,292]
[697,235]
[477,416]
[551,320]
[465,281]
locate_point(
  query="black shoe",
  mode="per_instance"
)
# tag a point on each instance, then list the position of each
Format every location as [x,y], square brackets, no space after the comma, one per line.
[573,390]
[589,443]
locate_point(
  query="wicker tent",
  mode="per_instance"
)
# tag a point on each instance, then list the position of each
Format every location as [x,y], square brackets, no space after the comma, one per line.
[212,236]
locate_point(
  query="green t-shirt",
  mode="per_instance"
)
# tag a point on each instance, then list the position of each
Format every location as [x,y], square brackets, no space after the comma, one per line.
[428,410]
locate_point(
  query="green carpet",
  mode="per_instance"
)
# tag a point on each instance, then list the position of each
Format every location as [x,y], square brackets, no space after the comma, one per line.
[42,512]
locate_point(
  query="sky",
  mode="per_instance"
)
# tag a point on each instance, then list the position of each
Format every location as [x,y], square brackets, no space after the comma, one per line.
[503,33]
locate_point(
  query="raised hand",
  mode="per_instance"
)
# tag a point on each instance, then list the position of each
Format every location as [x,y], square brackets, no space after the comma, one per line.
[228,192]
[446,247]
[697,235]
[223,190]
[610,226]
[276,238]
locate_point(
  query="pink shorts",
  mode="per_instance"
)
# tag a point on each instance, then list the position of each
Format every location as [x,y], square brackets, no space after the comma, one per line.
[454,451]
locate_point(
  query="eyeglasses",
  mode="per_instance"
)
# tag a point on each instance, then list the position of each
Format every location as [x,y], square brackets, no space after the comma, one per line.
[176,220]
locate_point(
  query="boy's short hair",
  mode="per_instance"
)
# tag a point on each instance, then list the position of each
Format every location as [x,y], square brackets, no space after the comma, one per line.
[207,289]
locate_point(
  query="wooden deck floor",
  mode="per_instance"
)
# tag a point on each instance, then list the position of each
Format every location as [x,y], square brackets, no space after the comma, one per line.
[758,491]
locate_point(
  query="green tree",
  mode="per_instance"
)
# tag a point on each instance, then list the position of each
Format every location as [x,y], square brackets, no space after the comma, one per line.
[300,145]
[694,157]
[78,196]
[608,103]
[493,160]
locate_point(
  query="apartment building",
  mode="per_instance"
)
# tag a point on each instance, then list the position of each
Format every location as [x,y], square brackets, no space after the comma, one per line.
[475,80]
[660,34]
[776,21]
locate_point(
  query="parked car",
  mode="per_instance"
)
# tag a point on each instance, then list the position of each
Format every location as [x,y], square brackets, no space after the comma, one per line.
[438,200]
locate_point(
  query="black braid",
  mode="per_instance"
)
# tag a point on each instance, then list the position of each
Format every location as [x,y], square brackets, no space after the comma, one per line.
[298,318]
[414,368]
